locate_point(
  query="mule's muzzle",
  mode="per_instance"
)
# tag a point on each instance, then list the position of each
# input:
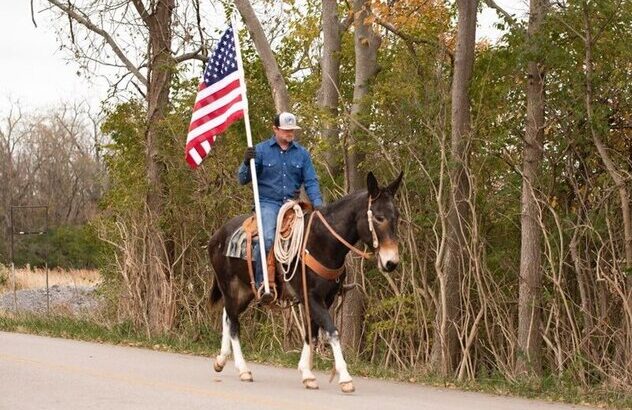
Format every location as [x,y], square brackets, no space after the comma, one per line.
[390,266]
[388,258]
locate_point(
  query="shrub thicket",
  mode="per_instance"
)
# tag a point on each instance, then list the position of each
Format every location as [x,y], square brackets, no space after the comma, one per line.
[67,247]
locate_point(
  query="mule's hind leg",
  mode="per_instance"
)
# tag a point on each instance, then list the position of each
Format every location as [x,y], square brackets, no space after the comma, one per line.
[220,360]
[233,309]
[240,363]
[305,363]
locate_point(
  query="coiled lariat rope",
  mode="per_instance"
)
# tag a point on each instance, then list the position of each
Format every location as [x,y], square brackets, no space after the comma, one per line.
[287,244]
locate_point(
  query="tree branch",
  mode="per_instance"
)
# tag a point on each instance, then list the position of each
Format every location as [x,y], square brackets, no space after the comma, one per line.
[606,23]
[409,40]
[569,27]
[194,55]
[144,14]
[83,20]
[198,19]
[270,66]
[347,21]
[508,17]
[72,31]
[33,15]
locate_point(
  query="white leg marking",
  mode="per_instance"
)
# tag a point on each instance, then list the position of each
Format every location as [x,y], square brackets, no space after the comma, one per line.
[240,363]
[220,360]
[341,365]
[304,365]
[225,352]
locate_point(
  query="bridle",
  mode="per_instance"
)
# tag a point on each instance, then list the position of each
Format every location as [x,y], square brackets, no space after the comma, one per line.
[369,214]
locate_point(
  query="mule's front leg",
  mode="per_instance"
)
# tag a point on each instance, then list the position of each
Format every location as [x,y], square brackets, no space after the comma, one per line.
[344,378]
[321,316]
[305,367]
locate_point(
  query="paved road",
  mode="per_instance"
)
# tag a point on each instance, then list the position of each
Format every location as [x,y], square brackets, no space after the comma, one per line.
[45,373]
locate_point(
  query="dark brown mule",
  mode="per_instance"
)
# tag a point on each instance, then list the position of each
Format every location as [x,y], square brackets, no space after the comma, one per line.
[350,219]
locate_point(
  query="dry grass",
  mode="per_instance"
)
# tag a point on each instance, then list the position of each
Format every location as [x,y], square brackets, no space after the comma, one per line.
[36,278]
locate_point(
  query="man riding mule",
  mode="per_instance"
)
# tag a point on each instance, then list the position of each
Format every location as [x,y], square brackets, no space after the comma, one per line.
[282,167]
[369,216]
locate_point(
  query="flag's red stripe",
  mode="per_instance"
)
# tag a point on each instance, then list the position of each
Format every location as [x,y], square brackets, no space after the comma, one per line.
[201,152]
[216,95]
[190,161]
[208,135]
[213,114]
[217,130]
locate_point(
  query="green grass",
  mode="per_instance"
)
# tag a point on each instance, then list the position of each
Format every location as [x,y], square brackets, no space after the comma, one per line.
[205,342]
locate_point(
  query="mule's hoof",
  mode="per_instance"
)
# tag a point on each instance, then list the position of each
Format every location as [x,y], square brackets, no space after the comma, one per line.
[246,376]
[219,364]
[347,387]
[310,384]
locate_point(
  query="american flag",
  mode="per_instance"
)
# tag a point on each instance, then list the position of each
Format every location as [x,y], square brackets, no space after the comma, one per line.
[219,100]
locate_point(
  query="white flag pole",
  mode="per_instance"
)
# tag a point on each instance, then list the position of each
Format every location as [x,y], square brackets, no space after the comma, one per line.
[253,169]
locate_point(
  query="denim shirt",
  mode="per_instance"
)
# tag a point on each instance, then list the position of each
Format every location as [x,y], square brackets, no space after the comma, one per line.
[281,173]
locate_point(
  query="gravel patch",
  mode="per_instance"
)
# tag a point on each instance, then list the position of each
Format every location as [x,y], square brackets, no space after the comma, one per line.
[73,300]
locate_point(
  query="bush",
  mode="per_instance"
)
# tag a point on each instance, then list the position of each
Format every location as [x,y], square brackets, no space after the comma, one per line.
[67,247]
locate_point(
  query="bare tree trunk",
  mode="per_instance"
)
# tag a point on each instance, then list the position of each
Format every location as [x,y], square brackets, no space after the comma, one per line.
[367,43]
[330,67]
[446,345]
[529,311]
[270,66]
[160,72]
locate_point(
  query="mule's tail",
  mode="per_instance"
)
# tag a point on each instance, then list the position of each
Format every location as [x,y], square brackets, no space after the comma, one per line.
[216,294]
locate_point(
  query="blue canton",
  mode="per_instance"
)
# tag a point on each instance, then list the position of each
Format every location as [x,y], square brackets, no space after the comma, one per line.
[281,173]
[223,61]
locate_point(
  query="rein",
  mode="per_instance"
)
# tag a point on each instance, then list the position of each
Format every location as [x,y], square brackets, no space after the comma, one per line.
[316,266]
[365,255]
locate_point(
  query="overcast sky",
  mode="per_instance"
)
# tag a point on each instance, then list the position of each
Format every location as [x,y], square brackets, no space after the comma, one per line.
[35,72]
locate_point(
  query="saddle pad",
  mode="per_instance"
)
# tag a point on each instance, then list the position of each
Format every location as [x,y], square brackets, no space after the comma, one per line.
[236,246]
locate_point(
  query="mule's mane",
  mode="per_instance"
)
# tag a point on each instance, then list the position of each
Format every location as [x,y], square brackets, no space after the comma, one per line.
[345,200]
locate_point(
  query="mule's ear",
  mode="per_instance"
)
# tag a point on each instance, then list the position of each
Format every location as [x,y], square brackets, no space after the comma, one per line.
[392,188]
[371,185]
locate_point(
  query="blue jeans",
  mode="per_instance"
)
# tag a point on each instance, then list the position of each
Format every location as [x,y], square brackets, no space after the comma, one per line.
[269,214]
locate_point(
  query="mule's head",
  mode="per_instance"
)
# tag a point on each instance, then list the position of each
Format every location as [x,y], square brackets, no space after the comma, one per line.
[379,228]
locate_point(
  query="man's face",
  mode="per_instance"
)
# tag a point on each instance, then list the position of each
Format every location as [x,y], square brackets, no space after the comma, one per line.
[284,136]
